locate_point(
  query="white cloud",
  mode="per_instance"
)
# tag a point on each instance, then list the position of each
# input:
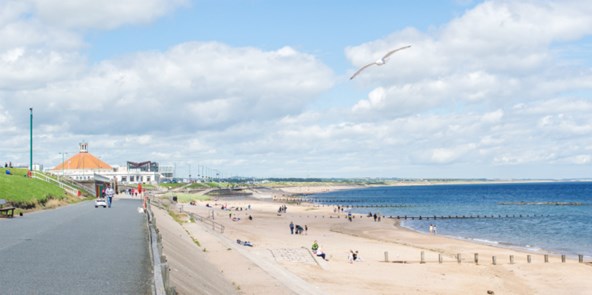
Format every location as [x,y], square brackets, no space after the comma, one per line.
[191,86]
[106,14]
[491,89]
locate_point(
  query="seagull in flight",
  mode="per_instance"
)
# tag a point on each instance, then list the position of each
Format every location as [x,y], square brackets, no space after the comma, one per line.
[379,62]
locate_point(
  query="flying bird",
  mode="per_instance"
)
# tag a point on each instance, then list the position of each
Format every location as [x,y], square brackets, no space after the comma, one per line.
[379,62]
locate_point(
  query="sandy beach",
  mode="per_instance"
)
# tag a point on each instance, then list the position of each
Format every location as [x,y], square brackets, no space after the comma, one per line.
[390,256]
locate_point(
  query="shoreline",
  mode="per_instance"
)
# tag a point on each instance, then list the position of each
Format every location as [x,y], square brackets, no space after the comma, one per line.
[525,248]
[275,248]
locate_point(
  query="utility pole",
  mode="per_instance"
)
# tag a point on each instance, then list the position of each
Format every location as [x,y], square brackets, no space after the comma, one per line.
[63,153]
[31,145]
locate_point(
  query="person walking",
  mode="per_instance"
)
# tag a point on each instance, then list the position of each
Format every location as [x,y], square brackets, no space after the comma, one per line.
[109,192]
[291,227]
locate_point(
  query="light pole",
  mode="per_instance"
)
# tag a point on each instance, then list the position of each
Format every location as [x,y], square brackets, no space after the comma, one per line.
[63,153]
[31,145]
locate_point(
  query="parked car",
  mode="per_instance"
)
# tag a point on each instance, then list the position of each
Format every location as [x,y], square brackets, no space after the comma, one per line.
[100,202]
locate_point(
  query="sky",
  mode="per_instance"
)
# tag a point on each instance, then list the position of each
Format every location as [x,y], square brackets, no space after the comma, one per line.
[261,88]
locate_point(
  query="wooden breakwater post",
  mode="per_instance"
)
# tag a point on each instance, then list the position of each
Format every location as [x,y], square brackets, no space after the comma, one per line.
[386,256]
[546,258]
[439,258]
[493,260]
[476,258]
[563,258]
[511,259]
[580,258]
[528,258]
[422,261]
[458,258]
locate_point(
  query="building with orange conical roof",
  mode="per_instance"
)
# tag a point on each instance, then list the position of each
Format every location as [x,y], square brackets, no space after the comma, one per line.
[82,166]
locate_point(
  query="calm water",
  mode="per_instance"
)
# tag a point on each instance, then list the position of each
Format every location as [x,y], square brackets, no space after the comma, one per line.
[563,229]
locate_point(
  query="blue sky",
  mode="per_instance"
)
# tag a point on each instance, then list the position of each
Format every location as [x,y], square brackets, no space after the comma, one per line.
[495,89]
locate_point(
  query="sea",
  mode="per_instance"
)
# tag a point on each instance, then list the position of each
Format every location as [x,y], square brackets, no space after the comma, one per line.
[556,216]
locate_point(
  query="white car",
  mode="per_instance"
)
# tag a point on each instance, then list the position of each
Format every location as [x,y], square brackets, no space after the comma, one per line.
[100,202]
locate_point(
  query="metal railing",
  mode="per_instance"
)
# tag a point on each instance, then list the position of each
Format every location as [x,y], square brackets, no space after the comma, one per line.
[215,225]
[162,284]
[41,176]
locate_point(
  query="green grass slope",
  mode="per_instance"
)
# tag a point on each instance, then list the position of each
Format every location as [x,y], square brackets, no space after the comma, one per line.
[23,192]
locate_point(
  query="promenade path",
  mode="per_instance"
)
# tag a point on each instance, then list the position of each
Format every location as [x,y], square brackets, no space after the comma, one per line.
[76,249]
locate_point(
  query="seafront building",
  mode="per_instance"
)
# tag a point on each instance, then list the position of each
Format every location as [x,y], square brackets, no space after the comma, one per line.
[84,166]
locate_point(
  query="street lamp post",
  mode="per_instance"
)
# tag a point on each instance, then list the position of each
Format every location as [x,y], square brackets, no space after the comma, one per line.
[31,143]
[63,153]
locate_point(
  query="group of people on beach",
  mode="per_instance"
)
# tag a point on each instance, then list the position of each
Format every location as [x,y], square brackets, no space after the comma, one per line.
[353,256]
[282,209]
[298,229]
[376,216]
[433,229]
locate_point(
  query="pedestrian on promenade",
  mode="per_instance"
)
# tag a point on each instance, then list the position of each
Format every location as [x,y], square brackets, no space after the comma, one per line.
[109,192]
[291,227]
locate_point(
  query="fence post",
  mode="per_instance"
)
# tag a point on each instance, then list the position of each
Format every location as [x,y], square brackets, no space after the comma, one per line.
[386,256]
[458,257]
[546,258]
[493,260]
[528,258]
[563,258]
[476,258]
[422,258]
[440,258]
[580,258]
[511,259]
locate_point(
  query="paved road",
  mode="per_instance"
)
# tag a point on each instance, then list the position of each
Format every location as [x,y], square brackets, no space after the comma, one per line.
[76,249]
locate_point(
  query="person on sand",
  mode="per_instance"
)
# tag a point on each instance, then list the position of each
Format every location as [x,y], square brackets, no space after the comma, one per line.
[322,254]
[435,229]
[350,256]
[431,228]
[305,229]
[315,247]
[291,227]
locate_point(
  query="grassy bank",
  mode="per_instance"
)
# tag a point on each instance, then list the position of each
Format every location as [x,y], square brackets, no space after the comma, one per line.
[27,193]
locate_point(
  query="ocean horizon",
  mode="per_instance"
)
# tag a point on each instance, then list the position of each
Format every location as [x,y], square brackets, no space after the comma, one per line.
[556,216]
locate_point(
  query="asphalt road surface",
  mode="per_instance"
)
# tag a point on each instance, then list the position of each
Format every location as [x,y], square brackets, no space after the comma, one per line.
[77,249]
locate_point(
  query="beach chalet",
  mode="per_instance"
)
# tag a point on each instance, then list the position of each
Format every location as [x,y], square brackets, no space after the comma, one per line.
[85,167]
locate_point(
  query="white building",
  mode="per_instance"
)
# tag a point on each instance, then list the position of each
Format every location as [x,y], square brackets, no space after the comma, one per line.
[84,166]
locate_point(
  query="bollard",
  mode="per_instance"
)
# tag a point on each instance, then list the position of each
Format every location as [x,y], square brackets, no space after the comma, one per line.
[476,258]
[440,258]
[386,256]
[580,258]
[546,258]
[422,261]
[563,258]
[493,260]
[458,257]
[511,259]
[528,258]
